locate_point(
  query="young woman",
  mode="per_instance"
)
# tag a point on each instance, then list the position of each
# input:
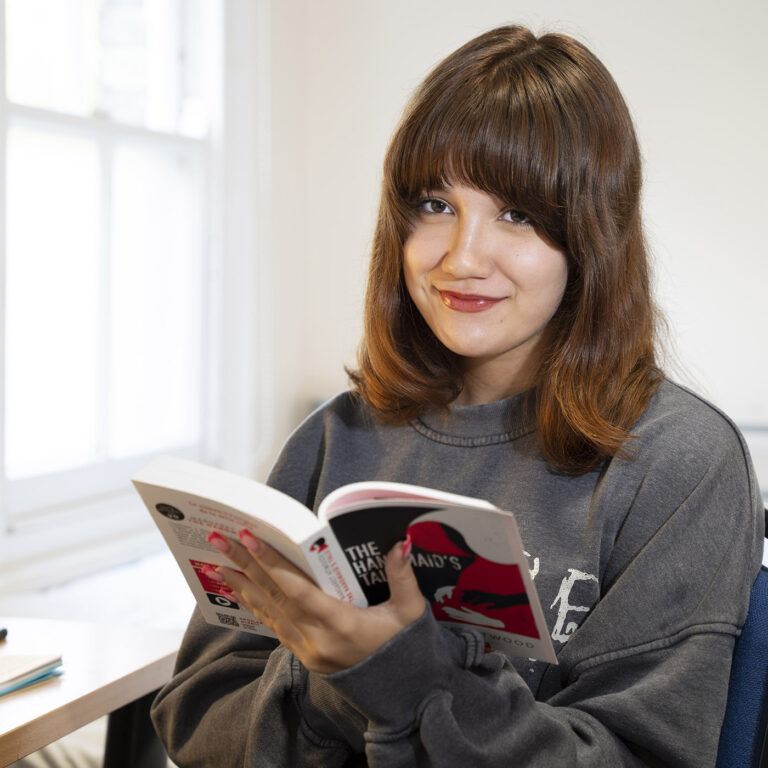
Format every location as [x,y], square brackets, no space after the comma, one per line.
[508,354]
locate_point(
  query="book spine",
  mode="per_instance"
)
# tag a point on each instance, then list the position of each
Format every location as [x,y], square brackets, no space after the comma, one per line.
[331,569]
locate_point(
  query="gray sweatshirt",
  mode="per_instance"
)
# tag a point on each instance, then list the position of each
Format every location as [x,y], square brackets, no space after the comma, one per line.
[643,568]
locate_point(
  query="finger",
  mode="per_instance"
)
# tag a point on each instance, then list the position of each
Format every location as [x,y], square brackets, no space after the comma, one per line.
[292,581]
[254,588]
[252,556]
[288,587]
[251,549]
[404,590]
[250,595]
[240,556]
[232,548]
[242,583]
[261,593]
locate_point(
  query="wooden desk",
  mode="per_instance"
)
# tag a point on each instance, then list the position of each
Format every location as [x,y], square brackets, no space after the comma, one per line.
[106,668]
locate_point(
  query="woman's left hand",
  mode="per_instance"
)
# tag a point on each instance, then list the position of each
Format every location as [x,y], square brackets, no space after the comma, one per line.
[326,634]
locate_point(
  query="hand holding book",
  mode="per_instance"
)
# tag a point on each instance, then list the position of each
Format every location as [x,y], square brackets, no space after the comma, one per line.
[467,555]
[323,632]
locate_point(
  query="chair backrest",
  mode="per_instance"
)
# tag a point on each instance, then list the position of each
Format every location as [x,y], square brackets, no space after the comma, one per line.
[743,737]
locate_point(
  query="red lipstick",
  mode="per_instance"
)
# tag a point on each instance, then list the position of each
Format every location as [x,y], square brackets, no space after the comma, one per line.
[467,302]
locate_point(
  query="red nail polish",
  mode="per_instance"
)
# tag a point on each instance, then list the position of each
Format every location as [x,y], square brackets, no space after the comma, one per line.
[407,544]
[212,573]
[250,542]
[219,542]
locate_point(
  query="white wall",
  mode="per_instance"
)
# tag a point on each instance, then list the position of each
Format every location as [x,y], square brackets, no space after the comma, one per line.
[694,73]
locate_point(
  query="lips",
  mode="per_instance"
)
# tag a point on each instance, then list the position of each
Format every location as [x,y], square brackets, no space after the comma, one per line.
[467,302]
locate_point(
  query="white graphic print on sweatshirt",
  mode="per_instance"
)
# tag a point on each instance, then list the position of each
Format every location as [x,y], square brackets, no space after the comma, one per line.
[566,623]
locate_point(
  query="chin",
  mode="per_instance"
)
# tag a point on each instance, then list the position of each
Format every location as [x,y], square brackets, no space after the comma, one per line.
[471,349]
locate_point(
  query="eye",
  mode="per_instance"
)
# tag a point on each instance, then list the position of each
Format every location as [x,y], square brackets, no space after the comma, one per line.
[433,206]
[515,217]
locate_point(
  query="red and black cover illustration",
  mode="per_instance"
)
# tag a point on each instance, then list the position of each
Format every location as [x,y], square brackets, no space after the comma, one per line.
[469,565]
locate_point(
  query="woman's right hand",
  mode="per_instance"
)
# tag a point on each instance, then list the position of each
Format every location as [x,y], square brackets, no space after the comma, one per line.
[326,634]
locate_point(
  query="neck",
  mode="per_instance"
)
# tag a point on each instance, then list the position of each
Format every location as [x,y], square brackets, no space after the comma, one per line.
[492,380]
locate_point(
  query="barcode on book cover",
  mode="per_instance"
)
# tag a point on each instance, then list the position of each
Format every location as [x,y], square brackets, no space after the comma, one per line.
[226,619]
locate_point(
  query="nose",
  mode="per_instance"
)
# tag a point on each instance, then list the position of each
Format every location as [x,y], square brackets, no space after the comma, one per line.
[467,255]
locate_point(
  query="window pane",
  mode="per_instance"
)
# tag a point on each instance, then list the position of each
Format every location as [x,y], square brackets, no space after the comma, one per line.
[52,301]
[133,61]
[52,63]
[156,316]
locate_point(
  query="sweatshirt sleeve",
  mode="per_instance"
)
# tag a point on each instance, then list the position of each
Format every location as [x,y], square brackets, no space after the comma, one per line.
[643,680]
[435,698]
[239,700]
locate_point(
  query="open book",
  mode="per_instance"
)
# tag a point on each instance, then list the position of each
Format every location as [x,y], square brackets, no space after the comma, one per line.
[467,554]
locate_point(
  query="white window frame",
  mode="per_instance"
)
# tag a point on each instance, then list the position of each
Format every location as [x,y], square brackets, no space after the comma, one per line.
[34,496]
[66,532]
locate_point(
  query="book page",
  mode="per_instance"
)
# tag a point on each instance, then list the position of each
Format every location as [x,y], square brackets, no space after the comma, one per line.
[373,493]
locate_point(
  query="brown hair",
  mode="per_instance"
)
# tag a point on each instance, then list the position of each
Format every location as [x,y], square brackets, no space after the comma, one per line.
[540,124]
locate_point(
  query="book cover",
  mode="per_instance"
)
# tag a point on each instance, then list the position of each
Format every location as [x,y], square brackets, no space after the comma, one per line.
[467,554]
[469,563]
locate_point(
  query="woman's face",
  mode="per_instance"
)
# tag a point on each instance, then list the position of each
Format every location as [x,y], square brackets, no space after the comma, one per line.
[485,282]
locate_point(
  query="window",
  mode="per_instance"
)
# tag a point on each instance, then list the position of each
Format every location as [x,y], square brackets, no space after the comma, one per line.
[110,264]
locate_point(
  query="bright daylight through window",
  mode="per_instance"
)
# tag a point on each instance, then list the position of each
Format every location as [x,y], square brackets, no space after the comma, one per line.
[105,305]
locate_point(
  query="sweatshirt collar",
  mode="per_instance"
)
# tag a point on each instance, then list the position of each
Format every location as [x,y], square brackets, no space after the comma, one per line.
[487,424]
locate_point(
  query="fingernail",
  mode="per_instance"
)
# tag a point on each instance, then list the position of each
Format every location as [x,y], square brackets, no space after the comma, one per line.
[212,573]
[407,544]
[218,541]
[250,542]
